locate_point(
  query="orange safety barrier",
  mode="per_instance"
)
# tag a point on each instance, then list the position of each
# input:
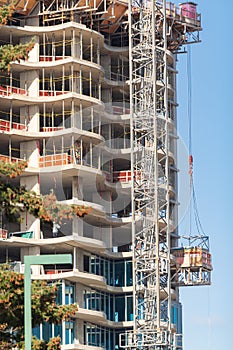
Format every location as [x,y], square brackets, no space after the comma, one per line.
[8,90]
[54,160]
[51,58]
[5,125]
[52,93]
[125,176]
[7,159]
[46,129]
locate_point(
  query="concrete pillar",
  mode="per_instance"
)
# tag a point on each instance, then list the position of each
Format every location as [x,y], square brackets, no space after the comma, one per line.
[35,52]
[77,187]
[76,45]
[77,226]
[30,81]
[77,118]
[36,269]
[30,223]
[30,152]
[32,116]
[77,193]
[79,260]
[103,234]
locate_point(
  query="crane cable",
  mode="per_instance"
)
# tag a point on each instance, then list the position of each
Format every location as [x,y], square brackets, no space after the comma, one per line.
[193,200]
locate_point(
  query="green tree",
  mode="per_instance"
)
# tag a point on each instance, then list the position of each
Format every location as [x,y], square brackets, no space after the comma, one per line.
[10,53]
[44,309]
[15,199]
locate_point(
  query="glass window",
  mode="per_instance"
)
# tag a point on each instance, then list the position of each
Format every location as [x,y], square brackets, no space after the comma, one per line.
[93,265]
[119,308]
[58,330]
[119,274]
[69,294]
[106,272]
[129,273]
[129,304]
[98,302]
[102,267]
[47,331]
[111,273]
[69,332]
[36,332]
[111,316]
[59,295]
[86,263]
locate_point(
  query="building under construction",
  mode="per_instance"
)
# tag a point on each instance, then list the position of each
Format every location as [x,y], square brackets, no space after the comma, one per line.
[93,112]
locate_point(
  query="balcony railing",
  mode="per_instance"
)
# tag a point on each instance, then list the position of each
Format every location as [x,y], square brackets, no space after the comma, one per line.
[123,176]
[6,125]
[51,58]
[51,128]
[55,160]
[8,159]
[52,93]
[9,90]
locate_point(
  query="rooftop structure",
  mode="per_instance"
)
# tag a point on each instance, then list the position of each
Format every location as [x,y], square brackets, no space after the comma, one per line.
[93,111]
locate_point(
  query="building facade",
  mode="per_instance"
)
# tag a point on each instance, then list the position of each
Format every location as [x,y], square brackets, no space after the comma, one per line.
[76,111]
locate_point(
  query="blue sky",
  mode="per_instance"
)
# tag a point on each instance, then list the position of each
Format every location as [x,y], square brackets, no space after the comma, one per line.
[208,311]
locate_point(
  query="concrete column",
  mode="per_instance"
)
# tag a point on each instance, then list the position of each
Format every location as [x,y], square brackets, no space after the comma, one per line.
[30,81]
[35,52]
[77,118]
[36,269]
[32,116]
[76,45]
[30,223]
[103,234]
[29,151]
[79,255]
[77,187]
[106,64]
[77,192]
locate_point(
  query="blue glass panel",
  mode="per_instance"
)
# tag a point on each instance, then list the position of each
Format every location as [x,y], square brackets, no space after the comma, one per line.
[36,332]
[46,331]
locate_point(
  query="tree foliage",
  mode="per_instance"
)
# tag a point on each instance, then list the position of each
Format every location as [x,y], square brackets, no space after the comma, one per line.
[17,199]
[6,12]
[10,53]
[44,309]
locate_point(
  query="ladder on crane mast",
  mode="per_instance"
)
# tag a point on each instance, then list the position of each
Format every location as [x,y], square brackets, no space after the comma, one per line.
[150,38]
[150,131]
